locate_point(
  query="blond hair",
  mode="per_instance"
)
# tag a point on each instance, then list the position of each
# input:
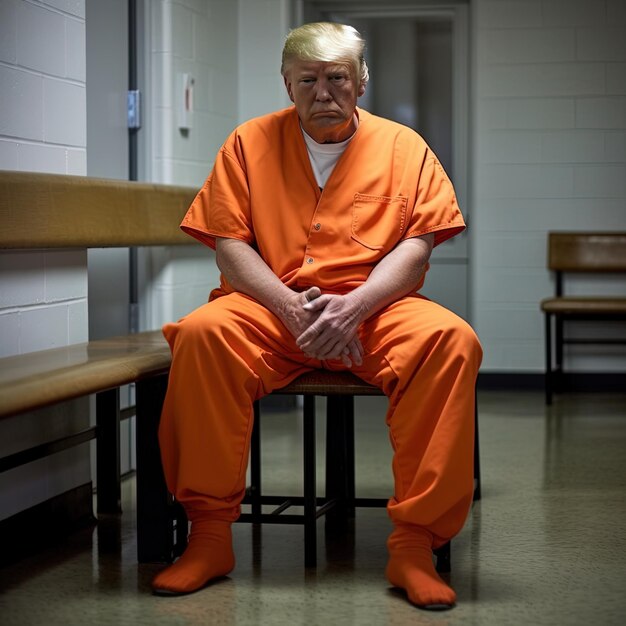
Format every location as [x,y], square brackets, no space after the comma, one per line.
[326,41]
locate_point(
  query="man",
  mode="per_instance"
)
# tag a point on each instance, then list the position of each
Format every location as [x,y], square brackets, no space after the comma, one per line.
[323,217]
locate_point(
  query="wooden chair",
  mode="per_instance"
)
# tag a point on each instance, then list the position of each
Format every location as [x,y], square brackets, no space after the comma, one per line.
[339,502]
[579,253]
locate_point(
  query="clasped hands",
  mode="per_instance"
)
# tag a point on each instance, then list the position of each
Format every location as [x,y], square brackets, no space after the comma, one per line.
[325,326]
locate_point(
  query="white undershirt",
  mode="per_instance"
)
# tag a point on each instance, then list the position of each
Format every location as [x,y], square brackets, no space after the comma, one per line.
[324,156]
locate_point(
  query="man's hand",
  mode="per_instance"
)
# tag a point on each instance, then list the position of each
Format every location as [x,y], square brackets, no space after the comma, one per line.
[333,335]
[294,314]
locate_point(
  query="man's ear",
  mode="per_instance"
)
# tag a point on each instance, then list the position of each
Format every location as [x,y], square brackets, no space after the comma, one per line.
[288,87]
[361,90]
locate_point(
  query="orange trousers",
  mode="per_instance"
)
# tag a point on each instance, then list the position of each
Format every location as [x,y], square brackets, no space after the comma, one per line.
[232,351]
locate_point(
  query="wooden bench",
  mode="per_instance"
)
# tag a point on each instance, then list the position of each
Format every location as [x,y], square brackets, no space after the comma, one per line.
[43,212]
[124,214]
[579,253]
[39,379]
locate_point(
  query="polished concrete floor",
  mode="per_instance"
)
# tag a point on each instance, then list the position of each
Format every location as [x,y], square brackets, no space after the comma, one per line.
[545,545]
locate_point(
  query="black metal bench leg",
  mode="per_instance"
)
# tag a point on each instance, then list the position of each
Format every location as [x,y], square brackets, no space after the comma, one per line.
[255,466]
[548,377]
[310,496]
[557,377]
[155,517]
[477,486]
[108,451]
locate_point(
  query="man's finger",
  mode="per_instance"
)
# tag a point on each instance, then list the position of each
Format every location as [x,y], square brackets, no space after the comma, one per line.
[311,293]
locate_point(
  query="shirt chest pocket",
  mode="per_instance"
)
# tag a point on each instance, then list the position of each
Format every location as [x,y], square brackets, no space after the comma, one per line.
[378,221]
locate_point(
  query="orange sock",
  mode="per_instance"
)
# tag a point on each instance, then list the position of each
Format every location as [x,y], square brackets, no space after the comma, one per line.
[209,555]
[411,568]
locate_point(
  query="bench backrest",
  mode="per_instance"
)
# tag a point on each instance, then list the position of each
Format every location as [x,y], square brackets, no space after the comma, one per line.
[587,252]
[58,211]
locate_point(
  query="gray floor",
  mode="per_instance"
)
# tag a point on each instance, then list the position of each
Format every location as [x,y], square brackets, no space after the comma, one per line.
[546,545]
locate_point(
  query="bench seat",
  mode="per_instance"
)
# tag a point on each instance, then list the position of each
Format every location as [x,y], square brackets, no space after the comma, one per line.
[584,305]
[38,379]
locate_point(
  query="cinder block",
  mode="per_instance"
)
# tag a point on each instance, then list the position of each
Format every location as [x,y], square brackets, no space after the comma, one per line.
[8,154]
[500,146]
[66,275]
[40,39]
[65,113]
[77,321]
[571,146]
[574,13]
[615,146]
[9,333]
[547,45]
[182,31]
[8,31]
[41,158]
[600,181]
[525,181]
[74,7]
[21,103]
[509,14]
[616,11]
[43,327]
[22,281]
[601,44]
[616,78]
[542,80]
[75,46]
[607,113]
[76,161]
[540,113]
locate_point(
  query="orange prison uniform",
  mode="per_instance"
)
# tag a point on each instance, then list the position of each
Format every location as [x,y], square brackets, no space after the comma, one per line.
[386,187]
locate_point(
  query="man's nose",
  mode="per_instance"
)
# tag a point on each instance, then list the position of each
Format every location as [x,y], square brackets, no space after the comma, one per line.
[323,92]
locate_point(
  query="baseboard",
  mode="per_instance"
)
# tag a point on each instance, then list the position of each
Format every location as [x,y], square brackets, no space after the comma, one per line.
[612,382]
[44,524]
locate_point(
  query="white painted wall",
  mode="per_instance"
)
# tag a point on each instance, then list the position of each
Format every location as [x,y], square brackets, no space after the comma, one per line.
[549,153]
[232,50]
[198,37]
[43,295]
[263,26]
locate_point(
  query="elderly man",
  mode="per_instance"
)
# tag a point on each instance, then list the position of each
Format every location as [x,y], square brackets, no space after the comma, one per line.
[323,217]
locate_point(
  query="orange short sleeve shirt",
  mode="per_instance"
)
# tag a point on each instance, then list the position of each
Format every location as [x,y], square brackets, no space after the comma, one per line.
[386,187]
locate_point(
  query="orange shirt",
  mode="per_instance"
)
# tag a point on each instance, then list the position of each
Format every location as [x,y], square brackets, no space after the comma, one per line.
[386,187]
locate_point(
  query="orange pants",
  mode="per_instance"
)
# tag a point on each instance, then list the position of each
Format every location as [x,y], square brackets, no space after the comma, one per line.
[232,351]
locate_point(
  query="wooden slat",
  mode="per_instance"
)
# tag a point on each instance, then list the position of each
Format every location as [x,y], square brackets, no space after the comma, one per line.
[587,252]
[327,383]
[588,305]
[37,379]
[56,211]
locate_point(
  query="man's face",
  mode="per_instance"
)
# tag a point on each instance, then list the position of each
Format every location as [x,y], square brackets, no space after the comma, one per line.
[325,95]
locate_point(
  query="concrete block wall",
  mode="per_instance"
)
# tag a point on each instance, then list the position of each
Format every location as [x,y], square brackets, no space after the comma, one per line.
[197,37]
[43,295]
[232,50]
[42,74]
[548,153]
